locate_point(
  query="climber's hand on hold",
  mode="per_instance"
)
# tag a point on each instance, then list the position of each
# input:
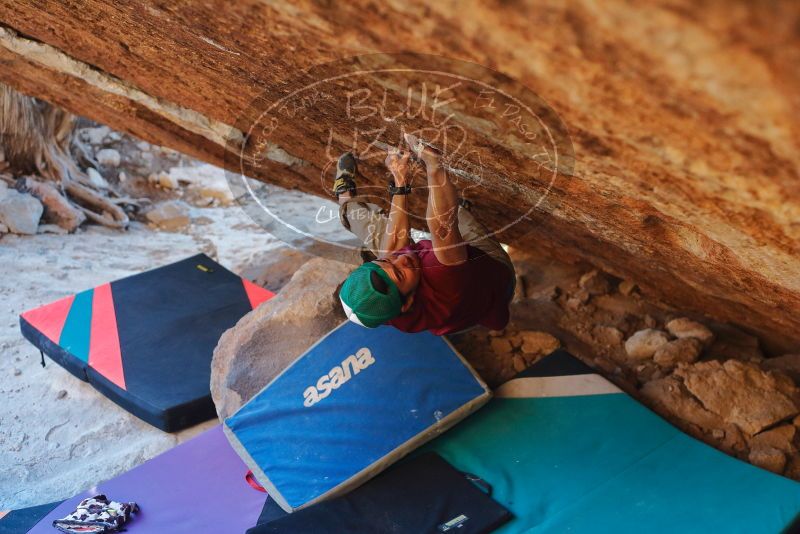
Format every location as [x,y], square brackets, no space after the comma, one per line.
[397,163]
[425,153]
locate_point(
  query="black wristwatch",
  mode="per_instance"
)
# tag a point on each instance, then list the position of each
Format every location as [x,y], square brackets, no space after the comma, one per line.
[403,190]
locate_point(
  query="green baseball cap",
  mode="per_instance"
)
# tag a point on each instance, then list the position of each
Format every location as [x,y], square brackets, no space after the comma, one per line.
[363,303]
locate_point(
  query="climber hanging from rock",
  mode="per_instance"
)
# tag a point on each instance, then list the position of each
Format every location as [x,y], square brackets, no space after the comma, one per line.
[458,279]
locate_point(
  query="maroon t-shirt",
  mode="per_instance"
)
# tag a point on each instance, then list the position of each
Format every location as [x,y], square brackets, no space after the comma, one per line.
[450,298]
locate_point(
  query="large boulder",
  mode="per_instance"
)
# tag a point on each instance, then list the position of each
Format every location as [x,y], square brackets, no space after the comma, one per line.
[265,341]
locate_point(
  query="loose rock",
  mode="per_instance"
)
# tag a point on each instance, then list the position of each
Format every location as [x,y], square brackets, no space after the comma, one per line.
[57,209]
[19,212]
[768,458]
[644,343]
[540,343]
[781,438]
[501,345]
[163,179]
[682,350]
[672,397]
[608,335]
[108,157]
[96,179]
[171,215]
[741,393]
[595,283]
[627,288]
[684,327]
[95,136]
[519,363]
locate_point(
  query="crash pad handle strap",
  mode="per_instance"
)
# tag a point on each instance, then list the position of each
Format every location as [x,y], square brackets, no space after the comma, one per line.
[251,479]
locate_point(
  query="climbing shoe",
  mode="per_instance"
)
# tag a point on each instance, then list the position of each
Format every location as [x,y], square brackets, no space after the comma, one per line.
[346,169]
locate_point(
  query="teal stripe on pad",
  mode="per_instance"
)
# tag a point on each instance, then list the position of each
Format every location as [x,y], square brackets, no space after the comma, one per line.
[78,326]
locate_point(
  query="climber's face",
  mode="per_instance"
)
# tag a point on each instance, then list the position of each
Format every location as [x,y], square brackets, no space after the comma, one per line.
[404,269]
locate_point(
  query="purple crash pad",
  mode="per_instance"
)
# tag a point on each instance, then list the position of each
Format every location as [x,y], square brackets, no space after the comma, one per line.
[198,486]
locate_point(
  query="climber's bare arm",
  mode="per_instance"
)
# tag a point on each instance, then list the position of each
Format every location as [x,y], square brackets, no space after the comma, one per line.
[398,230]
[442,213]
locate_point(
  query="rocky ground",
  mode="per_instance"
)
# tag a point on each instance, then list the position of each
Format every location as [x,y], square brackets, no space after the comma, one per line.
[57,435]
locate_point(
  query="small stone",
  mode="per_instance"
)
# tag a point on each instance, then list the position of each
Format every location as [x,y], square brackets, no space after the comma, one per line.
[172,215]
[649,322]
[684,327]
[19,212]
[96,179]
[108,157]
[17,372]
[540,343]
[646,372]
[3,228]
[595,283]
[122,176]
[781,438]
[163,179]
[496,333]
[143,145]
[61,394]
[718,433]
[582,295]
[501,345]
[519,363]
[768,458]
[608,335]
[627,288]
[644,343]
[682,350]
[573,304]
[734,439]
[95,136]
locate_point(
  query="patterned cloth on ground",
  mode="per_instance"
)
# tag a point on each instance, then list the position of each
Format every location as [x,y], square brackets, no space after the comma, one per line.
[97,514]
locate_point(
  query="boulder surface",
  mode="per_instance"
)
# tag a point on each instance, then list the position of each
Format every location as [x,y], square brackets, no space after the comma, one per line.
[268,339]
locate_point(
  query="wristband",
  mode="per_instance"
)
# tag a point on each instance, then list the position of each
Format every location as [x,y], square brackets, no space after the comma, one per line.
[402,190]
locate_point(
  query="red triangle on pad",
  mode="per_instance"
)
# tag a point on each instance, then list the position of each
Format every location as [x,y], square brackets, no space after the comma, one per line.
[256,293]
[50,318]
[105,355]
